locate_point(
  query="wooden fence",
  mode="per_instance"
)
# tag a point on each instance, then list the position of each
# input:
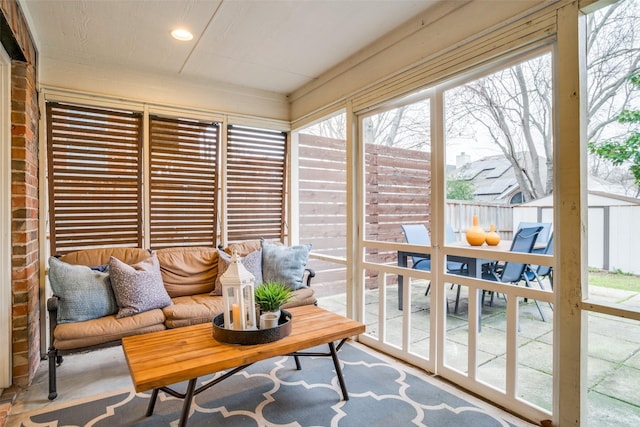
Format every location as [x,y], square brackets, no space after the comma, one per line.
[398,189]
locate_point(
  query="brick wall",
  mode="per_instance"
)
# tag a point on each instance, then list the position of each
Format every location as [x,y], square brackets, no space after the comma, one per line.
[25,257]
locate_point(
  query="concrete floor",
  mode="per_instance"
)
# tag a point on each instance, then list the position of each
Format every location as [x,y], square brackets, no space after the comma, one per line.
[613,362]
[103,372]
[613,365]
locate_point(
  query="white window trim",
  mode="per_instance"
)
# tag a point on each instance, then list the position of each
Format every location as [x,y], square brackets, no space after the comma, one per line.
[5,219]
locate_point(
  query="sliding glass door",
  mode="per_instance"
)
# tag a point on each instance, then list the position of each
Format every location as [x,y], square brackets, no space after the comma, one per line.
[498,339]
[396,157]
[479,147]
[612,300]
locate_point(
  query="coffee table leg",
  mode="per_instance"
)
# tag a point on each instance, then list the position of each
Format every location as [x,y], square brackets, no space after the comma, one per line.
[152,402]
[186,406]
[336,364]
[297,359]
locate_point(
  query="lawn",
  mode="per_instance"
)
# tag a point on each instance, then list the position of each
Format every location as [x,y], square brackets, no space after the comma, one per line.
[605,279]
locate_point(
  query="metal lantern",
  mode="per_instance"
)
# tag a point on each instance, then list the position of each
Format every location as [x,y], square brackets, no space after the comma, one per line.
[237,296]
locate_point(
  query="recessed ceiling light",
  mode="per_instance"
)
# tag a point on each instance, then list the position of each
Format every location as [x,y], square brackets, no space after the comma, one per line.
[181,34]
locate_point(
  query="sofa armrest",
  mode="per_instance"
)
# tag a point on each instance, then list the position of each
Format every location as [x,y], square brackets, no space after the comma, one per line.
[52,304]
[310,274]
[52,308]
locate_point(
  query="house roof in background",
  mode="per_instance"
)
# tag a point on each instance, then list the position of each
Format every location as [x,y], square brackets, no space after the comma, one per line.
[493,180]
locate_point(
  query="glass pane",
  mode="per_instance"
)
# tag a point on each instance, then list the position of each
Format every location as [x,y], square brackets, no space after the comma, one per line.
[420,317]
[322,206]
[535,357]
[613,87]
[372,300]
[397,145]
[613,182]
[456,340]
[500,150]
[499,188]
[613,371]
[394,318]
[491,340]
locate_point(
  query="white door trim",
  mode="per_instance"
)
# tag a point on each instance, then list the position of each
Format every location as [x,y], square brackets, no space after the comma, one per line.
[5,220]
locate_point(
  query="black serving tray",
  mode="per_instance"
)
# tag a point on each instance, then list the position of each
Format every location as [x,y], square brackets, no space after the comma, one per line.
[255,336]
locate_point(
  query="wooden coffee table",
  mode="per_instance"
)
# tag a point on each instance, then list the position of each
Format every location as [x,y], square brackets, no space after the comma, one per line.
[159,359]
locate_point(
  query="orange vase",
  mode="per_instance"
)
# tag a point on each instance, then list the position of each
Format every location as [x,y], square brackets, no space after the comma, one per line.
[475,234]
[492,238]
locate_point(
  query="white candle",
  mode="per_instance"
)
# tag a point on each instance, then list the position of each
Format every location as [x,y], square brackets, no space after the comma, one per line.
[235,316]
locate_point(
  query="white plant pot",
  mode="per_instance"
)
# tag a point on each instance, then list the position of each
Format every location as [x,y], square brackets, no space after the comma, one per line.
[269,319]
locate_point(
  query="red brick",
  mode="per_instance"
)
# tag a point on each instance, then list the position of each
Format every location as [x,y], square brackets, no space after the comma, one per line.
[19,310]
[25,258]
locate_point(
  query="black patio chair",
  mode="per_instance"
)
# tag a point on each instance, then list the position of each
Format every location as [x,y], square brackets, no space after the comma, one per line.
[540,272]
[513,272]
[417,234]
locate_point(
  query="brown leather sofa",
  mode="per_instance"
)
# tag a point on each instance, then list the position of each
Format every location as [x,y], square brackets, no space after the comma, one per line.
[188,274]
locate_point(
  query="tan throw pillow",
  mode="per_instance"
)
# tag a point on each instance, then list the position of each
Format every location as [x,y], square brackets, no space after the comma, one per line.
[137,287]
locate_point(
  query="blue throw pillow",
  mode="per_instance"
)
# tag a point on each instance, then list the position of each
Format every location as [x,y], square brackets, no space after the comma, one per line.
[84,293]
[284,264]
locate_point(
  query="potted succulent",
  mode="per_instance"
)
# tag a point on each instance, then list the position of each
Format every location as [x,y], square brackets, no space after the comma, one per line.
[270,296]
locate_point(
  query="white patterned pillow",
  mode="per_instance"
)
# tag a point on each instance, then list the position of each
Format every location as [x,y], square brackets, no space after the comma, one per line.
[138,287]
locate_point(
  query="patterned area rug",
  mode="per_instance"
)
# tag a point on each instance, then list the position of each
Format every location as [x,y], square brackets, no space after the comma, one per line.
[382,392]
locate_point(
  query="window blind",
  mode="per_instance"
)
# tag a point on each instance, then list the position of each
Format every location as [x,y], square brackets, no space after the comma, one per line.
[183,182]
[94,177]
[256,183]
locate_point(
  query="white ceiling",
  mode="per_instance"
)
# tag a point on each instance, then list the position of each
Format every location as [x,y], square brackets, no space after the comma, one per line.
[273,45]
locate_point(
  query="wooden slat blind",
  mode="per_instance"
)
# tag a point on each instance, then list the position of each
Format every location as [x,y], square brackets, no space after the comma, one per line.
[94,173]
[256,183]
[183,182]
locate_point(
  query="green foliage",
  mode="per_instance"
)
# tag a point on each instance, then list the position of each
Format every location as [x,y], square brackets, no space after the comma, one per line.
[459,189]
[271,295]
[623,273]
[627,151]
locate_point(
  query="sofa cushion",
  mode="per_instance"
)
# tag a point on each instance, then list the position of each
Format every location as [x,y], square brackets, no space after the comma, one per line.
[188,270]
[137,287]
[83,293]
[244,248]
[192,310]
[100,256]
[284,264]
[69,336]
[252,262]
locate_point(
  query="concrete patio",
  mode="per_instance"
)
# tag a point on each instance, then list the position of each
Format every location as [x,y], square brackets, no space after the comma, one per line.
[614,348]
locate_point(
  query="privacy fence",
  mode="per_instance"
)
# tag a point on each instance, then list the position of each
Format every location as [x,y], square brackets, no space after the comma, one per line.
[398,189]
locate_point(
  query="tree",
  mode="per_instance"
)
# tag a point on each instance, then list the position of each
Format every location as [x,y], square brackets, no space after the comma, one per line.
[512,108]
[626,151]
[334,127]
[459,189]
